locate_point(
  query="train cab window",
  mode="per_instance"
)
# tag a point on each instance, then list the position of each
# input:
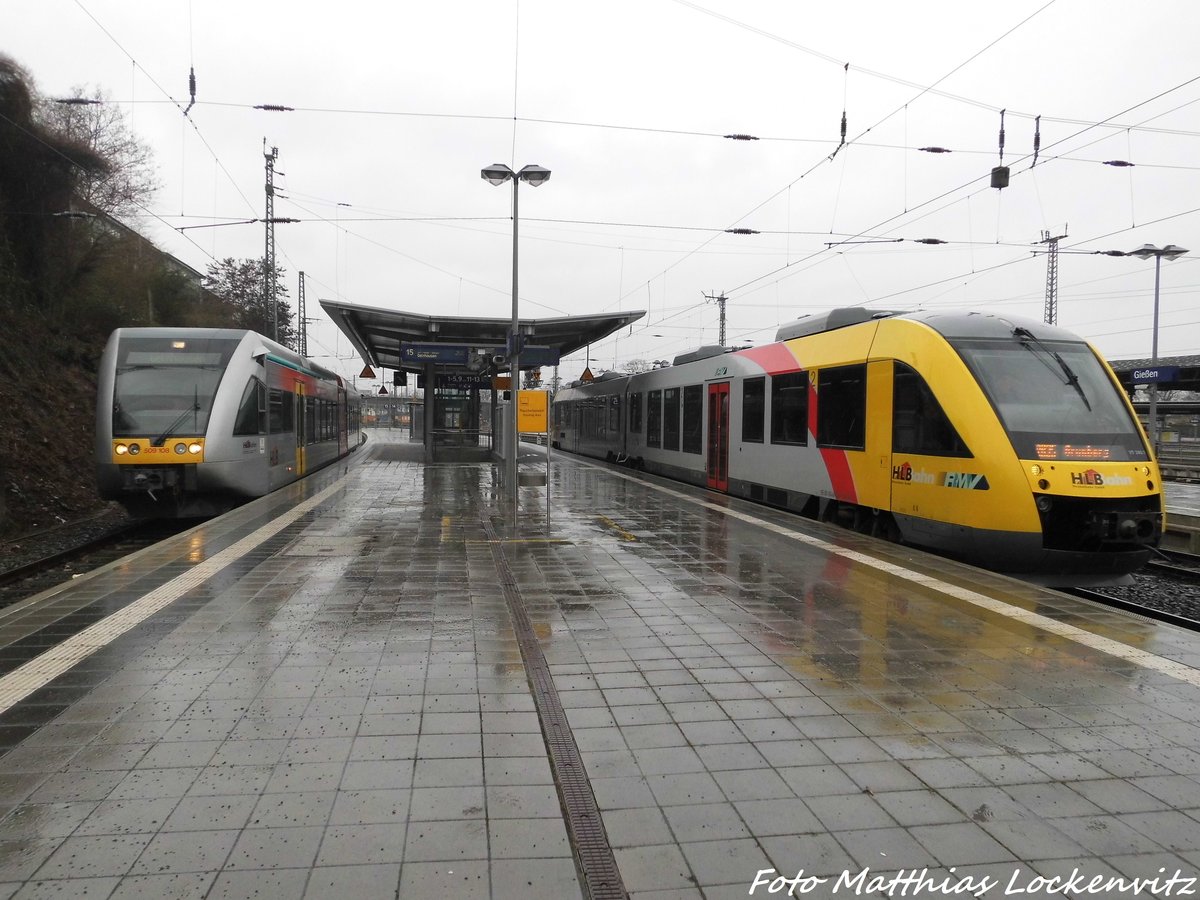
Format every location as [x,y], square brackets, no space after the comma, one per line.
[919,424]
[671,419]
[754,409]
[693,418]
[281,418]
[252,413]
[654,419]
[635,413]
[789,408]
[842,407]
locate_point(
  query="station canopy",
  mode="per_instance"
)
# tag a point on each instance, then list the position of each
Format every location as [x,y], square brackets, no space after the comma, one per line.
[378,334]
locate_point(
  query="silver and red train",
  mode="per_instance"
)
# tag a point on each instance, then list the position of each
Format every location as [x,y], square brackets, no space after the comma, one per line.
[192,421]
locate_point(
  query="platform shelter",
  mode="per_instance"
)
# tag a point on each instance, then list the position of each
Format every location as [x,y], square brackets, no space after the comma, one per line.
[461,362]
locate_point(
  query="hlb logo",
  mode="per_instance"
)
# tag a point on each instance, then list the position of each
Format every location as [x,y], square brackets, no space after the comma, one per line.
[905,472]
[1091,478]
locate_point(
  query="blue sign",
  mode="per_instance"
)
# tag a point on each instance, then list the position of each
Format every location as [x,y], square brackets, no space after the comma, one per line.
[532,357]
[1155,374]
[536,357]
[446,354]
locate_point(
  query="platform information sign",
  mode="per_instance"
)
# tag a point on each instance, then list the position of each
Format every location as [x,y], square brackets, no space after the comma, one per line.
[532,409]
[1155,374]
[447,354]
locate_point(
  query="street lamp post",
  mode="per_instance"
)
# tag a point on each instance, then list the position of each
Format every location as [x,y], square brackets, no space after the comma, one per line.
[1145,252]
[534,176]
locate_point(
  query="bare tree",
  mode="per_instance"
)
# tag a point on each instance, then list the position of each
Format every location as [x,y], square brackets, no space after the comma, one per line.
[240,282]
[636,366]
[93,121]
[39,248]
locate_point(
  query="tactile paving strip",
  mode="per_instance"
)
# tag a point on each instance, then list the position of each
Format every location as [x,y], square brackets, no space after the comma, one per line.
[601,878]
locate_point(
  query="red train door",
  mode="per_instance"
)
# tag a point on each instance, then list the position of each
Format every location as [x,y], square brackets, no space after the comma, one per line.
[718,436]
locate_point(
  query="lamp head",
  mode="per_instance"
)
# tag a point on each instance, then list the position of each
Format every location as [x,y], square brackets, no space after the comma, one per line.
[496,173]
[534,175]
[1171,251]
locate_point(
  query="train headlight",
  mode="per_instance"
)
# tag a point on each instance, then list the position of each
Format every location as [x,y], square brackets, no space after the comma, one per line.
[1044,504]
[1035,469]
[194,448]
[1043,484]
[120,449]
[134,449]
[1145,470]
[180,448]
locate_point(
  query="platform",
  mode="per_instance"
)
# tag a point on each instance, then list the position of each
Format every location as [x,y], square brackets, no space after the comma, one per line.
[367,686]
[1183,516]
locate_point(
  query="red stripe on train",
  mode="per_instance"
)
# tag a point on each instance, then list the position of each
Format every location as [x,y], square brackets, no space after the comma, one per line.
[775,359]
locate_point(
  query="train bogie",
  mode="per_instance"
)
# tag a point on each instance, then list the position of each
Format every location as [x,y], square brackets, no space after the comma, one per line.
[191,421]
[1003,443]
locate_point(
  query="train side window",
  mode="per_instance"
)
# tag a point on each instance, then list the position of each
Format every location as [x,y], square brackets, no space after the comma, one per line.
[281,418]
[919,424]
[635,413]
[671,419]
[789,408]
[654,419]
[252,413]
[310,420]
[842,407]
[693,418]
[754,408]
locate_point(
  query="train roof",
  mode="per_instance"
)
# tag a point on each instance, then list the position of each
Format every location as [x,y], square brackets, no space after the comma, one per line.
[987,325]
[276,349]
[828,321]
[950,324]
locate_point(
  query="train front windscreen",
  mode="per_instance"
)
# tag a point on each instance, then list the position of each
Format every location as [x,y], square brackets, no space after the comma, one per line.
[166,386]
[1055,399]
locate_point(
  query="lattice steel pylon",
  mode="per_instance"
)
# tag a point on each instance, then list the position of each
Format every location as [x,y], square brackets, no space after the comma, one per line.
[720,301]
[303,337]
[1050,314]
[269,255]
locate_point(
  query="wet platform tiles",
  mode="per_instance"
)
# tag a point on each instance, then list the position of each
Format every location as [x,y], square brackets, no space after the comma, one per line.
[332,692]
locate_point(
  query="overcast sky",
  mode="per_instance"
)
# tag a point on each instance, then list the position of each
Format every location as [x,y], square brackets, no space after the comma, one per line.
[398,106]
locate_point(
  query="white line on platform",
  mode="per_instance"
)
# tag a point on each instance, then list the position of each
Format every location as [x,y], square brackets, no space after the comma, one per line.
[1082,636]
[40,671]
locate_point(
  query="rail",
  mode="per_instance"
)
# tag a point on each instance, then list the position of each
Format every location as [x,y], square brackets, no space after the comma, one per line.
[1179,462]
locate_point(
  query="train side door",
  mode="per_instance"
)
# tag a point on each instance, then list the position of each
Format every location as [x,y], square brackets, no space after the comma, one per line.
[301,427]
[717,464]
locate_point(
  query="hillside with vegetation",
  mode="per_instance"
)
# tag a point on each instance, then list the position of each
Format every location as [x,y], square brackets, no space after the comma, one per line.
[72,268]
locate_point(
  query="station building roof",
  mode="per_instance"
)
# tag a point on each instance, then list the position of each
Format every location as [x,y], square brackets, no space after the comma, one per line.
[378,333]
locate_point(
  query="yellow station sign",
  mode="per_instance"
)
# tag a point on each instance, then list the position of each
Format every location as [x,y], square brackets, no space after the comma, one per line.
[532,409]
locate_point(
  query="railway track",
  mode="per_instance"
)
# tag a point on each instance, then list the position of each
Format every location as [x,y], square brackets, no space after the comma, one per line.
[64,557]
[1176,564]
[1166,590]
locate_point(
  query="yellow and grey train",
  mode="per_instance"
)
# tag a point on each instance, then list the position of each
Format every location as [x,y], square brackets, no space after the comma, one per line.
[1003,442]
[193,421]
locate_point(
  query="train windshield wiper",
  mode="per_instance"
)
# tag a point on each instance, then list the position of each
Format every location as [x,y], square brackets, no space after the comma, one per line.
[170,429]
[1064,371]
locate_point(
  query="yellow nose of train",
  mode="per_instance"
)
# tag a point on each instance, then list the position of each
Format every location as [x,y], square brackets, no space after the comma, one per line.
[142,451]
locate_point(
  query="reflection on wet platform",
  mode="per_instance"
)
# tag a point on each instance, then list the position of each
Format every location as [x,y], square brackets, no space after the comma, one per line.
[345,707]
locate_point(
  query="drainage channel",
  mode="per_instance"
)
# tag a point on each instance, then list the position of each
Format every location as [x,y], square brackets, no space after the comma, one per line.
[601,878]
